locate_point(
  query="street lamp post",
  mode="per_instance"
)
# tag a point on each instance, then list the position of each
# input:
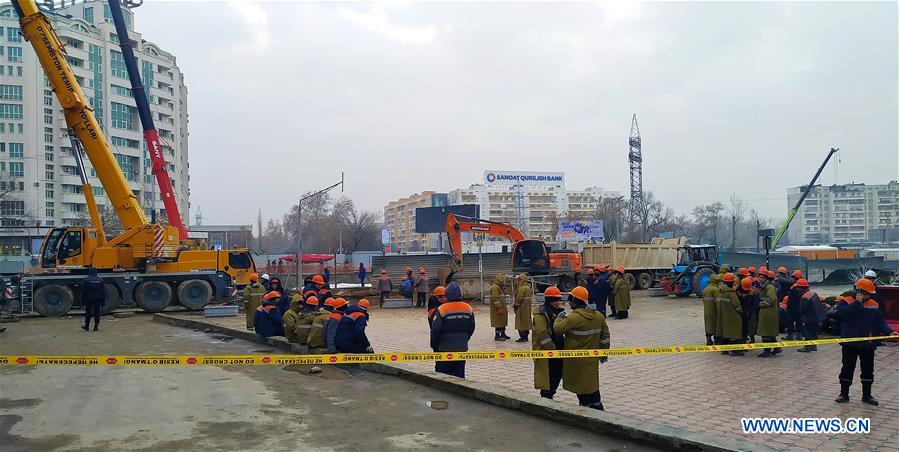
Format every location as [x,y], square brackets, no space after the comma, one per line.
[300,227]
[480,241]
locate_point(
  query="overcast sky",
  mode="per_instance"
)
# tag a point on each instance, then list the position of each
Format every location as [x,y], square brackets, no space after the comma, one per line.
[742,98]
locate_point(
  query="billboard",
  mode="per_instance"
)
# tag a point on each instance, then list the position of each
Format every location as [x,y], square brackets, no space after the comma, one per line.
[572,231]
[439,199]
[433,219]
[385,236]
[493,178]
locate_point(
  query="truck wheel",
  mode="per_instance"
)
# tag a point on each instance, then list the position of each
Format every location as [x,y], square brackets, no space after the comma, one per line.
[631,280]
[566,283]
[153,296]
[644,280]
[194,294]
[701,279]
[53,301]
[111,293]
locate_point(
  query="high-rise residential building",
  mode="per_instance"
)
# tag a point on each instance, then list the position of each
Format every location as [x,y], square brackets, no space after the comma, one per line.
[399,219]
[36,156]
[533,202]
[845,214]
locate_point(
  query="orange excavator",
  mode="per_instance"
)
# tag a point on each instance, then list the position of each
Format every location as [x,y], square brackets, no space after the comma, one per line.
[531,256]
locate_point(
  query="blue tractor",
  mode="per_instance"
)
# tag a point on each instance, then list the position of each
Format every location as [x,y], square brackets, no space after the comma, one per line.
[697,263]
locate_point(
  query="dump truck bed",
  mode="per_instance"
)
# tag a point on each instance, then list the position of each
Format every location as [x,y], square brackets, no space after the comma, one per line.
[660,254]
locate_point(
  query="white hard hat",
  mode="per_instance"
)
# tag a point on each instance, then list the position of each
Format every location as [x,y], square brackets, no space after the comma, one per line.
[870,274]
[266,276]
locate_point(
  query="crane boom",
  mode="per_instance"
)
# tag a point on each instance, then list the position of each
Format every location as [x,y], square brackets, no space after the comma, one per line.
[78,112]
[457,224]
[151,135]
[805,193]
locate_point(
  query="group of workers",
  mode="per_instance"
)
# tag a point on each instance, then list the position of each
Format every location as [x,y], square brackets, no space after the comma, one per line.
[761,302]
[311,317]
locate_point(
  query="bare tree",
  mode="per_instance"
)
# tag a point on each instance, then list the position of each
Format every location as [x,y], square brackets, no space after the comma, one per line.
[363,229]
[13,210]
[112,226]
[610,210]
[736,209]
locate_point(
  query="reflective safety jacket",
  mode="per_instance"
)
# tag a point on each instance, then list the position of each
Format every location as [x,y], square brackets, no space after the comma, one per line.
[452,327]
[351,336]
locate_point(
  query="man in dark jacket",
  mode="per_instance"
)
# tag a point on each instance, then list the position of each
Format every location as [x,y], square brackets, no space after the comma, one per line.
[783,283]
[861,317]
[794,308]
[326,275]
[451,330]
[351,336]
[284,300]
[268,320]
[361,275]
[749,303]
[809,307]
[93,297]
[603,288]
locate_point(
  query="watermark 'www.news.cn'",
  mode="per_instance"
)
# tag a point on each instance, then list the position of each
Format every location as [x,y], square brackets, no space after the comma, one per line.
[831,425]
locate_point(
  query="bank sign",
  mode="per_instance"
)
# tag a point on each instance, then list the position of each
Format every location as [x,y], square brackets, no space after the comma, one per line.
[526,178]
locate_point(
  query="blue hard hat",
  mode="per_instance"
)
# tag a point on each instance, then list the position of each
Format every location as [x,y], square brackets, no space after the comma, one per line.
[453,292]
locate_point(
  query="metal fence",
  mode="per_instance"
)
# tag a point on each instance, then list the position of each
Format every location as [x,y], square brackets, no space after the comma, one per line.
[395,265]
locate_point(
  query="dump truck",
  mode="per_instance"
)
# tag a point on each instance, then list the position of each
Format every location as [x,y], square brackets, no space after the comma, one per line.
[645,264]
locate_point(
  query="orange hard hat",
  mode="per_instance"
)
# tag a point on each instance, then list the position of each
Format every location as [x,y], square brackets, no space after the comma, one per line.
[729,277]
[363,303]
[620,270]
[254,277]
[579,293]
[589,271]
[771,274]
[552,292]
[801,283]
[746,283]
[743,271]
[763,269]
[270,295]
[330,302]
[866,285]
[782,270]
[752,270]
[602,268]
[312,300]
[317,279]
[797,274]
[439,291]
[338,302]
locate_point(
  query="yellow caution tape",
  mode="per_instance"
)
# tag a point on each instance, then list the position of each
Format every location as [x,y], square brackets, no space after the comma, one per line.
[397,357]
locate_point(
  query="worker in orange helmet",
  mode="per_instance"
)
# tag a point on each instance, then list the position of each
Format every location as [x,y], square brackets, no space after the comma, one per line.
[252,298]
[548,372]
[267,319]
[364,304]
[768,318]
[324,289]
[731,315]
[749,302]
[621,293]
[811,313]
[782,283]
[420,283]
[438,297]
[452,329]
[793,307]
[331,323]
[860,317]
[499,314]
[316,338]
[583,329]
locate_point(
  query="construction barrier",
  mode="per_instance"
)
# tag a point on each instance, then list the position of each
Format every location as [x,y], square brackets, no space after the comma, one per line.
[393,357]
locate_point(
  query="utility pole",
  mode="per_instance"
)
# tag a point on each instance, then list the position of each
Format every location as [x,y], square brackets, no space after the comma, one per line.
[635,156]
[300,225]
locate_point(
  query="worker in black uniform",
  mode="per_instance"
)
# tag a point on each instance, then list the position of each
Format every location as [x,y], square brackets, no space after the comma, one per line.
[451,330]
[93,297]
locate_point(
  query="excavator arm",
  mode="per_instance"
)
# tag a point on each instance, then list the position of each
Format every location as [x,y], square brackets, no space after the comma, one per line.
[457,224]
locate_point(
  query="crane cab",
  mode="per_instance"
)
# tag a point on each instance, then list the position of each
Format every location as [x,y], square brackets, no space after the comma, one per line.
[68,248]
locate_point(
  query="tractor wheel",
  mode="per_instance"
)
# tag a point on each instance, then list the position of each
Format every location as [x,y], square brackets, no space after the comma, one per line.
[631,280]
[53,301]
[644,280]
[566,283]
[111,295]
[194,294]
[701,279]
[153,296]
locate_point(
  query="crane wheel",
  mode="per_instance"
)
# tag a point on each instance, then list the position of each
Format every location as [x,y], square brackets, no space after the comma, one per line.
[153,296]
[53,300]
[111,295]
[194,294]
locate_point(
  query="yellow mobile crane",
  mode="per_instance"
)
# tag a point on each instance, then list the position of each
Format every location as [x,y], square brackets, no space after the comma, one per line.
[146,263]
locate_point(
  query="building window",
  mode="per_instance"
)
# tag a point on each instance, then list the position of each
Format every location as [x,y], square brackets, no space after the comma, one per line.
[16,150]
[11,92]
[122,116]
[119,141]
[12,208]
[126,163]
[14,54]
[89,14]
[13,35]
[121,91]
[117,64]
[48,208]
[48,173]
[10,111]
[16,169]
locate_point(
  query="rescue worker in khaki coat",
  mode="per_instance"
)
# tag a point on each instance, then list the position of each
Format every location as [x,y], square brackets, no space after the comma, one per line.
[731,315]
[524,300]
[252,298]
[584,329]
[499,315]
[710,309]
[622,292]
[290,318]
[548,372]
[305,319]
[769,322]
[316,338]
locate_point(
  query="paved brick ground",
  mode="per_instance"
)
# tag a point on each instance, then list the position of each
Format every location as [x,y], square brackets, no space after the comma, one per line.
[701,392]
